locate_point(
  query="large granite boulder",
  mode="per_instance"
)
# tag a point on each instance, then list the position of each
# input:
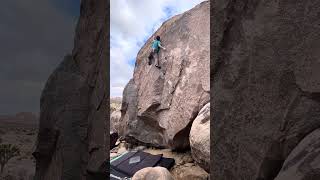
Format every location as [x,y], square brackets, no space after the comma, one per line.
[159,105]
[200,138]
[73,135]
[304,161]
[266,84]
[153,173]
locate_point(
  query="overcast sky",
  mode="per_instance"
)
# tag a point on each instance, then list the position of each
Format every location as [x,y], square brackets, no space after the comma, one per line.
[35,35]
[132,23]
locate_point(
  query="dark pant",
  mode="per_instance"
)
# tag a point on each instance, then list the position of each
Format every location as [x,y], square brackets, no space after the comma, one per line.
[152,54]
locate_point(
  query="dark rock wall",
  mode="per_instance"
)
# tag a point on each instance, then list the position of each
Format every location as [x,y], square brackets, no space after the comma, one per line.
[73,134]
[265,83]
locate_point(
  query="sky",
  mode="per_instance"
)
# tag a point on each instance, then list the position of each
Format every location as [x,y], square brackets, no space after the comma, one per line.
[132,22]
[34,39]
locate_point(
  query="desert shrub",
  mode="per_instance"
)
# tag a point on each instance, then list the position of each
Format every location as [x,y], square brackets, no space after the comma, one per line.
[7,151]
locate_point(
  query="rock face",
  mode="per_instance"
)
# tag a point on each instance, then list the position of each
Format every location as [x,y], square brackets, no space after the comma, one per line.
[159,105]
[304,161]
[200,138]
[73,135]
[152,173]
[114,121]
[266,84]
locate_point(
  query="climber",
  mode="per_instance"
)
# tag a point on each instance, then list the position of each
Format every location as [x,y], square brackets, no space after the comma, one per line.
[156,45]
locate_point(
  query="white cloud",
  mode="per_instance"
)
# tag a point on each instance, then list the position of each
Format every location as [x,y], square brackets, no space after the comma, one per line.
[133,21]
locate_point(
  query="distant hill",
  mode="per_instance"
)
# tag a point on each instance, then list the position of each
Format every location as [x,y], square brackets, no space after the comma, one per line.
[20,119]
[115,99]
[115,103]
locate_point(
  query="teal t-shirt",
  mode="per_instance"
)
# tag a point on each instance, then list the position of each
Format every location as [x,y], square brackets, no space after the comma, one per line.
[155,44]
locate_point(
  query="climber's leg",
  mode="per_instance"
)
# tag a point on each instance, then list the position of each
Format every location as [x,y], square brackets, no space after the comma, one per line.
[150,57]
[157,60]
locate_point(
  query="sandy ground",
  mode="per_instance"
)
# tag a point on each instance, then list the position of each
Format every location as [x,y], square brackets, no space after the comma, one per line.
[23,136]
[184,168]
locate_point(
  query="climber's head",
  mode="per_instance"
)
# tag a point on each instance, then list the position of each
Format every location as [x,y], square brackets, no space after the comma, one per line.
[158,38]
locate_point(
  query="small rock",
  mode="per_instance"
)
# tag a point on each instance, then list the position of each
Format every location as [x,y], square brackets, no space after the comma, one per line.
[189,165]
[153,173]
[189,171]
[112,155]
[187,159]
[140,148]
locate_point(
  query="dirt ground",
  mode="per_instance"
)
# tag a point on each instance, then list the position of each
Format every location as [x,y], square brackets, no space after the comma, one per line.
[23,135]
[184,168]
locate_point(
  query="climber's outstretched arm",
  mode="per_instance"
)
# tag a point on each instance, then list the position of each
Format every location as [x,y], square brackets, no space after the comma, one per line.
[162,46]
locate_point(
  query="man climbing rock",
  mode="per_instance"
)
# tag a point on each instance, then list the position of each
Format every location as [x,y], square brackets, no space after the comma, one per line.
[156,45]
